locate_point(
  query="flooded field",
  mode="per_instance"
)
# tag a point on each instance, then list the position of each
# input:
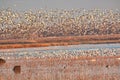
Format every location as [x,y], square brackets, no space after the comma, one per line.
[69,47]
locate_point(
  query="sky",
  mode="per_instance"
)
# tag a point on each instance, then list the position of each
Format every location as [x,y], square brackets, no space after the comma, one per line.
[23,5]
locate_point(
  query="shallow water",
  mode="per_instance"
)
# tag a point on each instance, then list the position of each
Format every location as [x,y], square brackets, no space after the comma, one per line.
[69,47]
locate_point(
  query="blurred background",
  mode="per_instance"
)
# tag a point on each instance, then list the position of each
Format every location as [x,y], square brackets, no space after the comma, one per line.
[22,5]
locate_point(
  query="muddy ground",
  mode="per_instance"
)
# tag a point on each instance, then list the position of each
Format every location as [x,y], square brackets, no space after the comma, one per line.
[59,41]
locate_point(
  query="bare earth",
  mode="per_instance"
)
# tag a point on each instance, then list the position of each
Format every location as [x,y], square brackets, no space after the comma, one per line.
[58,41]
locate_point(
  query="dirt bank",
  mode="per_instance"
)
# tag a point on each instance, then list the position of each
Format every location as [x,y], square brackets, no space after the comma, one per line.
[58,41]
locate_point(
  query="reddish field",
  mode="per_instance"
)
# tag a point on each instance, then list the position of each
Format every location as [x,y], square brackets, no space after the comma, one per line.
[72,68]
[76,68]
[55,41]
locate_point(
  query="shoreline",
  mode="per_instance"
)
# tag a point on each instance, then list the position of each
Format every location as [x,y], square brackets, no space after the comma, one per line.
[60,41]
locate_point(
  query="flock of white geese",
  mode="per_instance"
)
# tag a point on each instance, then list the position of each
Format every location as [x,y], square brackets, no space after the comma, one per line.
[42,23]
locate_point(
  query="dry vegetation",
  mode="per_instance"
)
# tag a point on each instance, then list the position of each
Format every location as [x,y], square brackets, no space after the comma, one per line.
[80,68]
